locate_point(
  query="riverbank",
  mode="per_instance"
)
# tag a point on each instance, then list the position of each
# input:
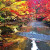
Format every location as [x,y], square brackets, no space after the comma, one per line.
[25,45]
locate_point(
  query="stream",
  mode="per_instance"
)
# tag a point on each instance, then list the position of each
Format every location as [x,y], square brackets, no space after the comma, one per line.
[39,34]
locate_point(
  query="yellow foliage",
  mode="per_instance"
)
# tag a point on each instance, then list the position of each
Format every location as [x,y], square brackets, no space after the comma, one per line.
[2,5]
[27,12]
[9,0]
[20,7]
[19,3]
[12,0]
[4,0]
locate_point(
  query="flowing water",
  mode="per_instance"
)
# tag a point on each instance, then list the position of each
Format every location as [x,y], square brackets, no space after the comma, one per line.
[39,34]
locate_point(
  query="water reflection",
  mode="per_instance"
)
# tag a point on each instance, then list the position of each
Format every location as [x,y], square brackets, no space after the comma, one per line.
[39,27]
[36,35]
[39,41]
[38,38]
[43,30]
[42,45]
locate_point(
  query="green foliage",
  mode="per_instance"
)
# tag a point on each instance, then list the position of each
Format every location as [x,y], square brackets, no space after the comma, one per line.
[0,2]
[5,30]
[2,5]
[2,19]
[8,13]
[3,15]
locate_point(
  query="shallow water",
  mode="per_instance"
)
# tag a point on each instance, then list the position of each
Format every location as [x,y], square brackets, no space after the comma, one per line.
[41,35]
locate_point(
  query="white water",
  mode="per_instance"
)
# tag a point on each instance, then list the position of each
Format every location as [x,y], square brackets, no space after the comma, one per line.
[34,46]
